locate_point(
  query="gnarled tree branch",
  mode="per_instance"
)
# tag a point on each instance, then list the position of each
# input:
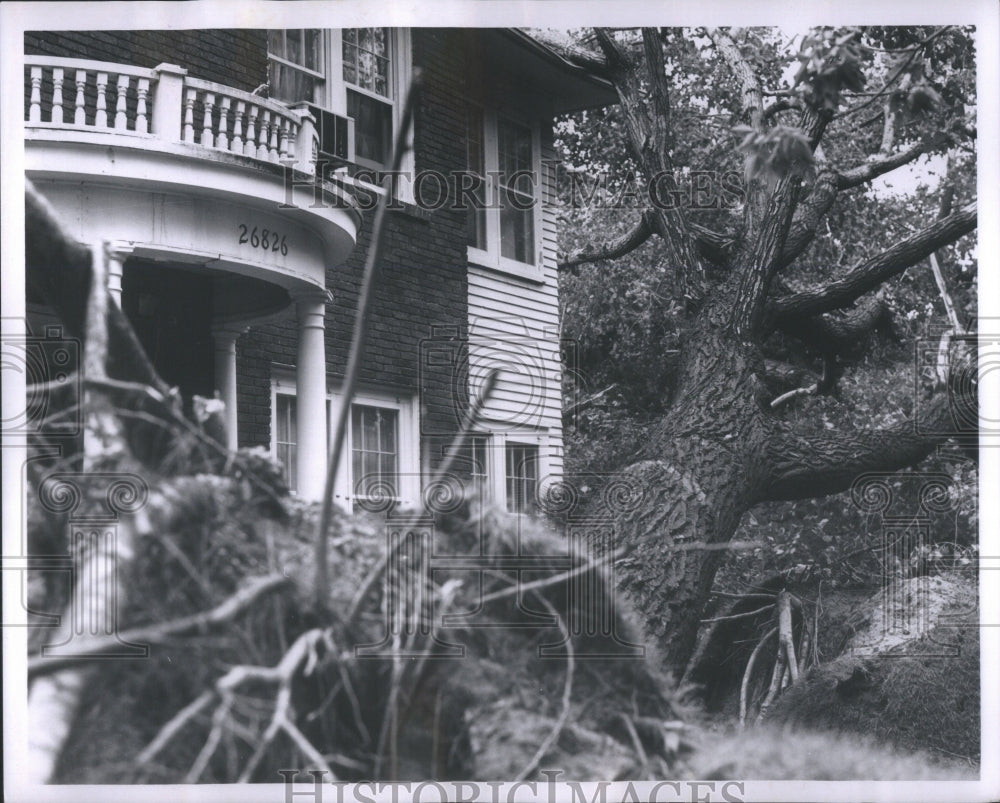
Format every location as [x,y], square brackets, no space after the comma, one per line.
[872,273]
[806,465]
[839,333]
[613,249]
[649,130]
[862,174]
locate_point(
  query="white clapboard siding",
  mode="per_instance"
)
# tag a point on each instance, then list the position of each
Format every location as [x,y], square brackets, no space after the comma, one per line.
[514,322]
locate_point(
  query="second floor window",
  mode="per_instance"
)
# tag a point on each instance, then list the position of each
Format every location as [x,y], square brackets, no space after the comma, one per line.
[517,192]
[296,64]
[351,72]
[503,176]
[367,70]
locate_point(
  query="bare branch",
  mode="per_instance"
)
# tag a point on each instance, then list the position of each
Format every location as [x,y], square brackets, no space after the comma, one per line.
[752,97]
[615,56]
[86,649]
[649,134]
[567,695]
[873,169]
[888,128]
[839,332]
[613,249]
[872,273]
[794,394]
[811,211]
[745,685]
[781,376]
[362,319]
[591,62]
[714,246]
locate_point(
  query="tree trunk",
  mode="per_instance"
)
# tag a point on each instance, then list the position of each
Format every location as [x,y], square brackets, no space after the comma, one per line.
[717,452]
[705,469]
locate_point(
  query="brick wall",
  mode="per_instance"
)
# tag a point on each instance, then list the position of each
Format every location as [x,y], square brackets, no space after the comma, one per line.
[423,288]
[235,58]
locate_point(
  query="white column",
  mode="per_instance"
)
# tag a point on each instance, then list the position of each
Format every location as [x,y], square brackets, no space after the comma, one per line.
[310,381]
[225,377]
[117,254]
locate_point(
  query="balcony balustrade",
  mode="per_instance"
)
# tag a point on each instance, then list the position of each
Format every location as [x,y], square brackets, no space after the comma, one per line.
[165,104]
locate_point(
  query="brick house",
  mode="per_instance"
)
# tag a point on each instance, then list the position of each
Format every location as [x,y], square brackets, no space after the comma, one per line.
[232,174]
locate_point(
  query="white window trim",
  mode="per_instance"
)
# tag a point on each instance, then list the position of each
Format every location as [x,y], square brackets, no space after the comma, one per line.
[491,257]
[283,382]
[401,62]
[301,67]
[333,92]
[496,451]
[408,466]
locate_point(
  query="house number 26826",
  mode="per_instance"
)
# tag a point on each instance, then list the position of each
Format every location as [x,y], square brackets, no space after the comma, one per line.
[264,239]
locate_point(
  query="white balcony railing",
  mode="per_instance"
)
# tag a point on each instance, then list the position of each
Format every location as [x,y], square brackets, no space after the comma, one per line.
[165,104]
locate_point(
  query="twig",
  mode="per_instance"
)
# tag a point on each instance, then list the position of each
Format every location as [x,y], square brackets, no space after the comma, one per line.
[173,727]
[517,588]
[748,672]
[786,640]
[471,417]
[636,741]
[352,697]
[303,650]
[726,595]
[809,391]
[212,742]
[744,615]
[89,648]
[358,338]
[780,665]
[560,723]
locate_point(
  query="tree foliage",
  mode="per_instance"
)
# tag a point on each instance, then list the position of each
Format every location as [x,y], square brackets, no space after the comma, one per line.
[764,205]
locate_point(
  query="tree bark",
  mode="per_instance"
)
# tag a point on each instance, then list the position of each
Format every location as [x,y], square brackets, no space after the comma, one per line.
[877,270]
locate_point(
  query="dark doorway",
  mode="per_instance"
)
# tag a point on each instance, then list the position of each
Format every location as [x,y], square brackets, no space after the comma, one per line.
[171,311]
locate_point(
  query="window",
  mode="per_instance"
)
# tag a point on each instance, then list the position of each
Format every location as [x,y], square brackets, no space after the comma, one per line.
[509,468]
[517,202]
[367,69]
[480,460]
[284,435]
[476,165]
[522,477]
[351,72]
[296,64]
[381,455]
[374,451]
[501,160]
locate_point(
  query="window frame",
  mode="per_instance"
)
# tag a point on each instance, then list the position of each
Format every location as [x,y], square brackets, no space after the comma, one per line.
[491,256]
[391,99]
[508,447]
[331,94]
[409,484]
[496,463]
